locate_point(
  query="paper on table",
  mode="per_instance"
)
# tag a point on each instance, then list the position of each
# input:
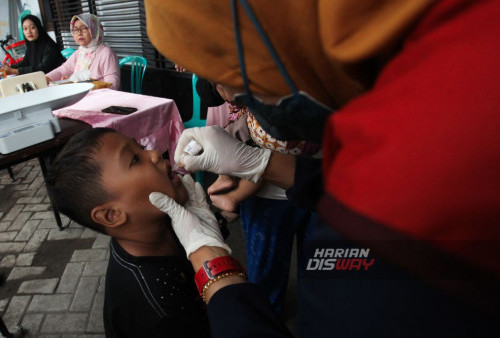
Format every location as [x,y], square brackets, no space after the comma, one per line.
[59,82]
[83,76]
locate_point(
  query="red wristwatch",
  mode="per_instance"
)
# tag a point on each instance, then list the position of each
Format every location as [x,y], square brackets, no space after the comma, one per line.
[210,269]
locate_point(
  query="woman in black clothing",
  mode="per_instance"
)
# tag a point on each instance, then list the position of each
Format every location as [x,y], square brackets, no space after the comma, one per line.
[42,53]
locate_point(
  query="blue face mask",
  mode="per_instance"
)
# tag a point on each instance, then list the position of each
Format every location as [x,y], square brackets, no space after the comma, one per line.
[296,117]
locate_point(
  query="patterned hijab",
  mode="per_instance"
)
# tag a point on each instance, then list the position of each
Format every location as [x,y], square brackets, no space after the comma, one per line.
[87,53]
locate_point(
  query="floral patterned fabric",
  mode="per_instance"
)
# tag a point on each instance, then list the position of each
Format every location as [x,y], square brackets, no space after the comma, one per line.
[264,140]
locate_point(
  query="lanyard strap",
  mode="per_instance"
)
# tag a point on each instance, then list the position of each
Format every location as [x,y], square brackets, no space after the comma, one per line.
[266,41]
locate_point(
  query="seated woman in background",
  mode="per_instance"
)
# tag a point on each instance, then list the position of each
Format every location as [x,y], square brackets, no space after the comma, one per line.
[42,53]
[93,56]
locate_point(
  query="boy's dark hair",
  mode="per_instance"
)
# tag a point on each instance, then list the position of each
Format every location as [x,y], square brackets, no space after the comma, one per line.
[75,178]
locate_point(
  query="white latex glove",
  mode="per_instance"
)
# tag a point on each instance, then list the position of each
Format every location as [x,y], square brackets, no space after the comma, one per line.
[194,223]
[222,154]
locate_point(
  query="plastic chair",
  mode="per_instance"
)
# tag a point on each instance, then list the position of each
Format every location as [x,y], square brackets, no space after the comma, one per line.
[196,120]
[10,86]
[138,66]
[67,52]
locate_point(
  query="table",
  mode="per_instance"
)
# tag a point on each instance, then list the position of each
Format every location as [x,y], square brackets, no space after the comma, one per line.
[45,151]
[156,124]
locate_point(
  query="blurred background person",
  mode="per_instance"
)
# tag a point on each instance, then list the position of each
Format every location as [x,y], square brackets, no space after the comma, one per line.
[42,53]
[93,59]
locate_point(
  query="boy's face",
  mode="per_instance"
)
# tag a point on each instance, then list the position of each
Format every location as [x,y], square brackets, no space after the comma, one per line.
[131,173]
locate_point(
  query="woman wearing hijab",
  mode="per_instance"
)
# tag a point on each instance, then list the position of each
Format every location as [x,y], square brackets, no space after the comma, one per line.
[42,53]
[409,170]
[93,56]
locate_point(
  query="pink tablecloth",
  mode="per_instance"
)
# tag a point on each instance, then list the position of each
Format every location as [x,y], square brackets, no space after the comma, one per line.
[156,124]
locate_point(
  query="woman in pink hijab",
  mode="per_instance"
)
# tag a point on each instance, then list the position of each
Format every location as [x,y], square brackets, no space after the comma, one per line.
[93,59]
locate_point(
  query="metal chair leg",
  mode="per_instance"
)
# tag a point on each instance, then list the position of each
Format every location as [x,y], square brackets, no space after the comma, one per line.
[43,166]
[3,329]
[11,174]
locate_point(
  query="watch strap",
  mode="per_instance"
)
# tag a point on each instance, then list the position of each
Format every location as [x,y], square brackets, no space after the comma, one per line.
[210,269]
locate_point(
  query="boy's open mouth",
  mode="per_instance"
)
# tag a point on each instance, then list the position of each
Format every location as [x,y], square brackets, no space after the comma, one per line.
[171,174]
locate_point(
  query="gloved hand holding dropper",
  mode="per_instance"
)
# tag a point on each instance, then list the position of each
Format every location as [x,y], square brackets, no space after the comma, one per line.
[221,154]
[218,152]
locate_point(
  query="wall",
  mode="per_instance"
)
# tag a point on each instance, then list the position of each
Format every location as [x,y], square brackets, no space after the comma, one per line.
[32,5]
[4,23]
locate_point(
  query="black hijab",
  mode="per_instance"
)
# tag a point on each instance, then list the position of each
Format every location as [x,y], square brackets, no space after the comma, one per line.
[35,49]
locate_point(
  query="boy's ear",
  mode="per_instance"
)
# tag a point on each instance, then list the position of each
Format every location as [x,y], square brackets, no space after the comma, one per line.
[108,216]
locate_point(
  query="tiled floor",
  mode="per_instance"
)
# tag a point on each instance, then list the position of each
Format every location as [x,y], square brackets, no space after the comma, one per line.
[53,280]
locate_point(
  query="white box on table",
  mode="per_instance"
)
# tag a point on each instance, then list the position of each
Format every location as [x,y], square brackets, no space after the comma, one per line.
[26,119]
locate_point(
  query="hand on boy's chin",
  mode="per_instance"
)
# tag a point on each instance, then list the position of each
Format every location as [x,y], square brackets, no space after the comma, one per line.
[181,194]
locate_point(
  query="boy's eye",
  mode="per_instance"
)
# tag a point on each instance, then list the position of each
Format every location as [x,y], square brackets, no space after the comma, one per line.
[135,159]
